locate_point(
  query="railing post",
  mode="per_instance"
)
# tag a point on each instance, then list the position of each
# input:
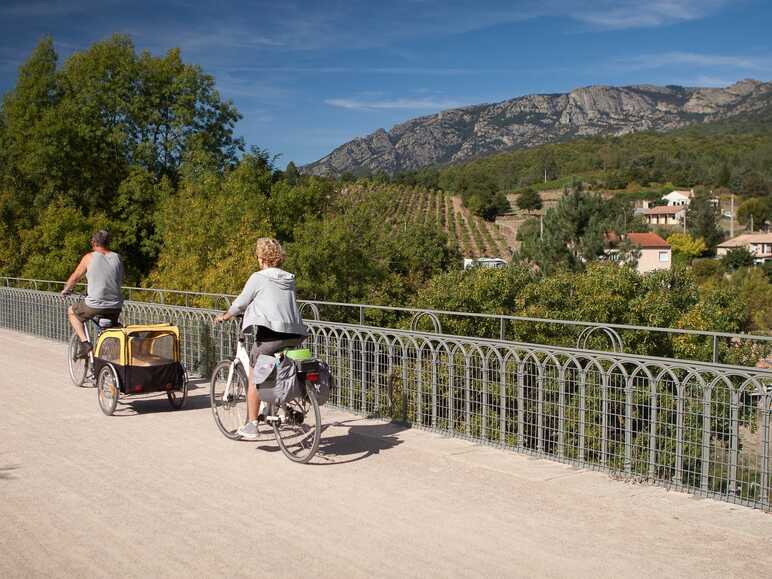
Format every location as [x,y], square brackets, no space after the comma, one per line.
[715,349]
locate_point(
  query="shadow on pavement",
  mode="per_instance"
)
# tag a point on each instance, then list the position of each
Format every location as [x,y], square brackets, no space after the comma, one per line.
[158,402]
[6,472]
[360,442]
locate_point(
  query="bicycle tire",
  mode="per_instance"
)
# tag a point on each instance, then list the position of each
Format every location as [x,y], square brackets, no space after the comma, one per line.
[229,415]
[78,367]
[108,389]
[299,441]
[178,397]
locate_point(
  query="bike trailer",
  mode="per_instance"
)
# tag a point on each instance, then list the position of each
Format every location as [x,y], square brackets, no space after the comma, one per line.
[146,358]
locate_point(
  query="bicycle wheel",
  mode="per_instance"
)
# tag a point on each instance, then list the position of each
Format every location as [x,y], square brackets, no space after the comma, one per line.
[78,367]
[299,427]
[229,410]
[108,389]
[178,398]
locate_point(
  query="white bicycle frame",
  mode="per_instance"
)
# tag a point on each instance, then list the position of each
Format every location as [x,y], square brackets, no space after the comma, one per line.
[242,357]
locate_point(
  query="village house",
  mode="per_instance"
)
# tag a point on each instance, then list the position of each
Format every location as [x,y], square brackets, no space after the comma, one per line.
[664,215]
[678,198]
[758,244]
[655,252]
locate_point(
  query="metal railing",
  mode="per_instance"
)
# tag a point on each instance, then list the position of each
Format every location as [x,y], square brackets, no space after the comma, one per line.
[703,428]
[645,340]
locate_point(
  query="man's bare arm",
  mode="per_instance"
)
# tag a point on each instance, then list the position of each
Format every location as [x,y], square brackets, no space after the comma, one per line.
[76,275]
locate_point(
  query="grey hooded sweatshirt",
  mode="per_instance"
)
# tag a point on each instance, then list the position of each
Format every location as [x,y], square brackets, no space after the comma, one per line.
[268,300]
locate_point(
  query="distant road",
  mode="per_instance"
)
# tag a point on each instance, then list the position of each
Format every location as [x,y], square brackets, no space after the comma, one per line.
[155,493]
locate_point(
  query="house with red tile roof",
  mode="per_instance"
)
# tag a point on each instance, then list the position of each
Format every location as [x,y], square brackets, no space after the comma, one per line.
[655,252]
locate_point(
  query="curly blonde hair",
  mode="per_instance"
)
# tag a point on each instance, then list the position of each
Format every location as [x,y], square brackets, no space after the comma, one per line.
[269,251]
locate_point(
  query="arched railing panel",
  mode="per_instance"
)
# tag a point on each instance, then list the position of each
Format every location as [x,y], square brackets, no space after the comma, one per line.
[700,427]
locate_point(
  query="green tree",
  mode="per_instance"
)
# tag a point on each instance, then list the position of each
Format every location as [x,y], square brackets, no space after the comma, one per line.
[293,205]
[52,248]
[28,124]
[575,230]
[211,248]
[529,200]
[724,176]
[737,258]
[756,210]
[291,173]
[481,195]
[685,247]
[702,220]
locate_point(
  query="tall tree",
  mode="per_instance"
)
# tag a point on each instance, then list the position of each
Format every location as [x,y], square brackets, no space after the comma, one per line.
[756,211]
[529,200]
[575,230]
[702,219]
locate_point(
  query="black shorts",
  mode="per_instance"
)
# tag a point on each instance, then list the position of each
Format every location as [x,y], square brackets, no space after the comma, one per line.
[269,347]
[85,313]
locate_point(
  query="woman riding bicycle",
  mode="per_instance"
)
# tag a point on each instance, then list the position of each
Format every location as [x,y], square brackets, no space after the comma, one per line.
[267,301]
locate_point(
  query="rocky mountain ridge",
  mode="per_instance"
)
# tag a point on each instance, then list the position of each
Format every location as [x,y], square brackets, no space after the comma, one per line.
[462,134]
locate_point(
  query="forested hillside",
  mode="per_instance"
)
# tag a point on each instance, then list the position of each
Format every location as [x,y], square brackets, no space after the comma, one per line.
[735,155]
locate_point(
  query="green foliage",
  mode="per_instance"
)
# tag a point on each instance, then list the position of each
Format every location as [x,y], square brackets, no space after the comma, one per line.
[355,254]
[208,229]
[529,200]
[106,133]
[685,247]
[480,193]
[697,155]
[756,210]
[575,231]
[52,248]
[702,220]
[737,258]
[708,269]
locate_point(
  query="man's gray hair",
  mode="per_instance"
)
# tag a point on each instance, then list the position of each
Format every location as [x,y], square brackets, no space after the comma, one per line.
[101,238]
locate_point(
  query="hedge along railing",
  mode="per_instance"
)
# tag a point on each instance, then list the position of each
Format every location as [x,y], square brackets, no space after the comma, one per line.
[700,427]
[647,340]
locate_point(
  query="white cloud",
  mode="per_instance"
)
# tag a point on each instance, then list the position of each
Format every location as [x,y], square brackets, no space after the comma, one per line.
[620,14]
[414,104]
[694,59]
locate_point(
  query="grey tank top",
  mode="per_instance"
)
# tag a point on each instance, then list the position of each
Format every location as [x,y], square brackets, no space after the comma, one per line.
[105,278]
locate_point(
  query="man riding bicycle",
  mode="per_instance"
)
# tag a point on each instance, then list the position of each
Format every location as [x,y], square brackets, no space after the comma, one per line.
[268,302]
[104,271]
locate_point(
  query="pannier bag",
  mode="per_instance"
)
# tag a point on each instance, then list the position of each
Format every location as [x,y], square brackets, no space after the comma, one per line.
[322,386]
[279,381]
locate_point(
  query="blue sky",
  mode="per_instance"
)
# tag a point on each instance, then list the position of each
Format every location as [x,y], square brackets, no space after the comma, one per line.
[309,76]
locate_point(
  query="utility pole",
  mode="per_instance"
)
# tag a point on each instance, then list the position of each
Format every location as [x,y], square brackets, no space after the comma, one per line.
[731,217]
[751,222]
[545,173]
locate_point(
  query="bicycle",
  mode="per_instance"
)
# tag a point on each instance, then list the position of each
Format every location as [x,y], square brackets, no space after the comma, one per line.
[296,424]
[82,368]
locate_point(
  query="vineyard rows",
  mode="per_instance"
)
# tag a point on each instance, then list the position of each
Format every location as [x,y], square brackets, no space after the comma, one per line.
[473,236]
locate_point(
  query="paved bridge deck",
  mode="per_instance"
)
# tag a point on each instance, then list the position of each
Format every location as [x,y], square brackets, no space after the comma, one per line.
[154,492]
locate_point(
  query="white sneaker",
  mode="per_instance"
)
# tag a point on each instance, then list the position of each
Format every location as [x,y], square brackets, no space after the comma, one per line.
[249,431]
